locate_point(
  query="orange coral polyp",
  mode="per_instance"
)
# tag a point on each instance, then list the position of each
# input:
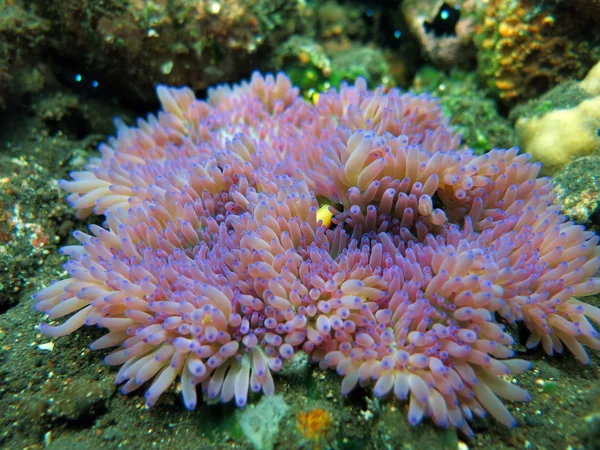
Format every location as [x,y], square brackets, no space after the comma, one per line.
[314,424]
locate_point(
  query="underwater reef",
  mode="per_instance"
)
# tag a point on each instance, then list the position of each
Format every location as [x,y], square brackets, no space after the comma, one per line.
[247,238]
[254,226]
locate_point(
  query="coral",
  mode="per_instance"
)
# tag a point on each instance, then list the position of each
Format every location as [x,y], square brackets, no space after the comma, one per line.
[313,71]
[305,62]
[131,45]
[360,61]
[22,33]
[577,186]
[213,265]
[474,115]
[589,9]
[443,44]
[339,24]
[260,423]
[591,82]
[561,135]
[524,49]
[562,125]
[314,425]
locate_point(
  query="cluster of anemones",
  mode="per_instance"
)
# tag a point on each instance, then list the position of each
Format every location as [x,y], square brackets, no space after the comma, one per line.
[254,225]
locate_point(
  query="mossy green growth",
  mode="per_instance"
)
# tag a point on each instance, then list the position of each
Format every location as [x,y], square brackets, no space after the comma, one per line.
[313,70]
[365,62]
[471,112]
[309,81]
[564,96]
[577,187]
[550,387]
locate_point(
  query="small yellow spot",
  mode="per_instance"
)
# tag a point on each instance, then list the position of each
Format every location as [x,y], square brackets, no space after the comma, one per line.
[324,215]
[548,20]
[206,319]
[314,97]
[487,43]
[505,30]
[489,22]
[505,85]
[214,8]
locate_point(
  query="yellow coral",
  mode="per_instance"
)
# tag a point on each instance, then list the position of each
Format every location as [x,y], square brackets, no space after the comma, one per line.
[314,425]
[591,82]
[563,135]
[524,50]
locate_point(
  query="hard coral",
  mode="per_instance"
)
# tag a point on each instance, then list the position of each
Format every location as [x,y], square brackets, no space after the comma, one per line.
[563,124]
[213,268]
[314,424]
[22,34]
[446,39]
[134,44]
[524,50]
[473,114]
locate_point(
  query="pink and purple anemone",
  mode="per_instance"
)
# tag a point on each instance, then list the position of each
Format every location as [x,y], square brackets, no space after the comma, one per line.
[216,263]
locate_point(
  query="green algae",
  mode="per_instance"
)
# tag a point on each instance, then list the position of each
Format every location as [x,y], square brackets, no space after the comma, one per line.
[472,113]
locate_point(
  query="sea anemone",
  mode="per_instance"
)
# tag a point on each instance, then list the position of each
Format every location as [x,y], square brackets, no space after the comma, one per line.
[245,228]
